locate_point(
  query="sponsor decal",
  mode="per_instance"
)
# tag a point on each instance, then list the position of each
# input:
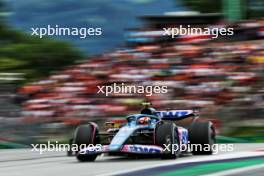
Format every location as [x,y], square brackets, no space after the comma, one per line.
[174,113]
[183,135]
[141,149]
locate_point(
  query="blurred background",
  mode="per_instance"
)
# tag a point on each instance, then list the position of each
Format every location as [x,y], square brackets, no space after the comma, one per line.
[49,86]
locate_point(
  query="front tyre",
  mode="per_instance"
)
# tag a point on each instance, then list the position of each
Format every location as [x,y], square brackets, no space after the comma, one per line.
[86,158]
[166,136]
[86,135]
[202,138]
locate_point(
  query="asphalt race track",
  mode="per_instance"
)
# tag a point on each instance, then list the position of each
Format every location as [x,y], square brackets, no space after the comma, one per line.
[24,162]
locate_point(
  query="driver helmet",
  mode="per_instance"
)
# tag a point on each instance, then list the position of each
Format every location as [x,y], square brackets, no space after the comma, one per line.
[144,120]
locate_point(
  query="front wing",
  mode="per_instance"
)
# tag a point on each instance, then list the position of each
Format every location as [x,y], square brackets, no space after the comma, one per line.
[127,148]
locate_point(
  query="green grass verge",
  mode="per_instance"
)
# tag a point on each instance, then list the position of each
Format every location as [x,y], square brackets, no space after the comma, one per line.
[213,167]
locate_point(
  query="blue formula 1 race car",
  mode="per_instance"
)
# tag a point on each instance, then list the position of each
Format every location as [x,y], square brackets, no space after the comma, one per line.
[155,133]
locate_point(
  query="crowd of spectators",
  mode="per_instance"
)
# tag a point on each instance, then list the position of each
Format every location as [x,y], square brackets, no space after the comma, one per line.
[211,76]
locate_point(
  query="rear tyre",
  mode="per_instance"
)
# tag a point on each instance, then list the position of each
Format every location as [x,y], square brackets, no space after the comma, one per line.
[167,134]
[85,135]
[203,134]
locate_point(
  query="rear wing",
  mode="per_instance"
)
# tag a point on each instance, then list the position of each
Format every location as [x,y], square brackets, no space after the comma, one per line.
[175,114]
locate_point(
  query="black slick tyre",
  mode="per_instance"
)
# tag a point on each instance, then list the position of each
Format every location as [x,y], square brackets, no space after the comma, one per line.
[84,136]
[202,138]
[166,136]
